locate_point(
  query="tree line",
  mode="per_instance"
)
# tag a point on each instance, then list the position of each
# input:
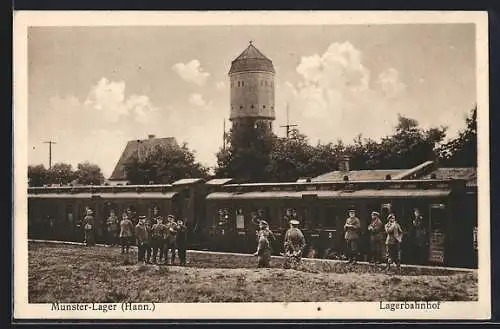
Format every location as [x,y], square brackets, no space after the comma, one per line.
[62,173]
[255,153]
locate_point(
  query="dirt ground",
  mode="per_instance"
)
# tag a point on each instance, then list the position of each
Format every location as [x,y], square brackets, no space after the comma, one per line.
[66,273]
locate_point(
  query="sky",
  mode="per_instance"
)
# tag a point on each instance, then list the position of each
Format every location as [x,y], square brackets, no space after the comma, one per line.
[91,89]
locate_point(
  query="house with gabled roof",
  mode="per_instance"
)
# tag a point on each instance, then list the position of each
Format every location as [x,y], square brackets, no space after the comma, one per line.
[136,148]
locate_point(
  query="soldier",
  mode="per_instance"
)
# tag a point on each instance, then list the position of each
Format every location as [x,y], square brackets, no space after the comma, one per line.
[263,250]
[420,238]
[182,241]
[376,230]
[158,232]
[393,241]
[264,229]
[88,227]
[351,227]
[142,236]
[126,232]
[112,228]
[294,243]
[170,238]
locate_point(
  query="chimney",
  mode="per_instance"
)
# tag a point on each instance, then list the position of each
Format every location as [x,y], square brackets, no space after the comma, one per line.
[151,136]
[344,163]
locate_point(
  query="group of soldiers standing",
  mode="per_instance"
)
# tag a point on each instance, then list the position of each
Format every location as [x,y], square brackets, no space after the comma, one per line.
[388,235]
[154,237]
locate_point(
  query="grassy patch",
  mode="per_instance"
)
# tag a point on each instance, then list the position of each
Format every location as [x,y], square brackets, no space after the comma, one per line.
[67,273]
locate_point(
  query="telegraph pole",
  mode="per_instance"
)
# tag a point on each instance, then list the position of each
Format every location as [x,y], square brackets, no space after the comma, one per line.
[288,125]
[50,152]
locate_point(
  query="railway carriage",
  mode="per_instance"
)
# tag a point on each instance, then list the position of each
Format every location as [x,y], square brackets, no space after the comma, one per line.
[322,210]
[57,212]
[222,216]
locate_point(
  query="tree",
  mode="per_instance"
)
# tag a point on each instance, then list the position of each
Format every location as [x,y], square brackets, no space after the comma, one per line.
[37,175]
[462,151]
[89,174]
[247,155]
[164,164]
[289,158]
[409,146]
[61,173]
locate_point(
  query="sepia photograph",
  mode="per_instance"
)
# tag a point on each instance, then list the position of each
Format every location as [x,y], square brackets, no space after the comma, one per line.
[277,165]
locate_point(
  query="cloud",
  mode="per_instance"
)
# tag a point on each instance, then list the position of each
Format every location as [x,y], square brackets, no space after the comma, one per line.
[220,85]
[336,87]
[107,99]
[197,100]
[191,72]
[389,83]
[95,129]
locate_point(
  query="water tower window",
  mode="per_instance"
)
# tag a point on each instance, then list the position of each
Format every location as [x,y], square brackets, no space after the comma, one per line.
[263,106]
[252,106]
[238,83]
[241,107]
[243,83]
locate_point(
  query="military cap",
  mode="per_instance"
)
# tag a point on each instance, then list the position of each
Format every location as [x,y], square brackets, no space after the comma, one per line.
[263,222]
[294,222]
[171,216]
[391,216]
[375,213]
[352,210]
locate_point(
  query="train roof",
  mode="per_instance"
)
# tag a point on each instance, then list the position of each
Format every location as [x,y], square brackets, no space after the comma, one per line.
[365,194]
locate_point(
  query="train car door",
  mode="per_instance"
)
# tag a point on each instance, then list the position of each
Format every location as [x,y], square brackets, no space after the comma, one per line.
[437,220]
[330,237]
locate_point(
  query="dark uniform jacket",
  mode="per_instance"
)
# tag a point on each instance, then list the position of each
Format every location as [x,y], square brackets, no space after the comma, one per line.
[294,239]
[141,234]
[376,229]
[182,236]
[352,233]
[159,231]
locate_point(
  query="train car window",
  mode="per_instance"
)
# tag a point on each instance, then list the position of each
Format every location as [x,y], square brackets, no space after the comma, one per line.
[290,213]
[311,217]
[240,219]
[330,218]
[223,219]
[437,217]
[385,210]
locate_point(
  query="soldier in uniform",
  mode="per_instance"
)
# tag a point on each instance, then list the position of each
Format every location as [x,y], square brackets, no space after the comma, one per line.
[419,237]
[170,238]
[126,232]
[89,222]
[294,243]
[263,250]
[112,228]
[142,236]
[393,241]
[181,241]
[264,229]
[352,227]
[158,232]
[376,230]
